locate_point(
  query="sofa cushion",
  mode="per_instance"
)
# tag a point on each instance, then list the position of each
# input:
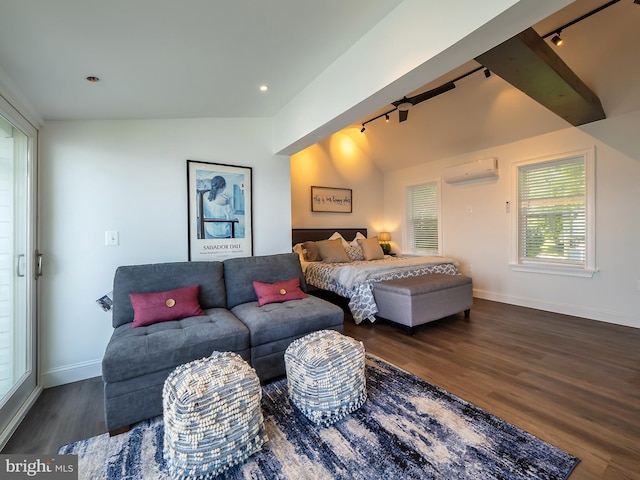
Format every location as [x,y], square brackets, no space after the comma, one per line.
[276,321]
[167,276]
[157,307]
[240,273]
[133,352]
[278,291]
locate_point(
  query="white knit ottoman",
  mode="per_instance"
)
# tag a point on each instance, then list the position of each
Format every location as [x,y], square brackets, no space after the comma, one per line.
[212,416]
[325,375]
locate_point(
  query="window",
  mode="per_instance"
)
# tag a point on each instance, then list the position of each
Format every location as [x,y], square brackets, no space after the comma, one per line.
[554,214]
[423,222]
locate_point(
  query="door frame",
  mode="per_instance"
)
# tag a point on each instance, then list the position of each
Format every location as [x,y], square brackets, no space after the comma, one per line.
[24,395]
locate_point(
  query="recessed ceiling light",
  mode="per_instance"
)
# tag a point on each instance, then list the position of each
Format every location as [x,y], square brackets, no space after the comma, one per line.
[93,79]
[264,88]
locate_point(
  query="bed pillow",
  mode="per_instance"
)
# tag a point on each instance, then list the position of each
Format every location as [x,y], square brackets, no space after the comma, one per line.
[359,236]
[311,252]
[355,253]
[332,251]
[150,308]
[278,291]
[336,235]
[371,248]
[297,248]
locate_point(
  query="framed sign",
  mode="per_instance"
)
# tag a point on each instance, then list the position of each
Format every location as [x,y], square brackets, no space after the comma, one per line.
[219,211]
[326,199]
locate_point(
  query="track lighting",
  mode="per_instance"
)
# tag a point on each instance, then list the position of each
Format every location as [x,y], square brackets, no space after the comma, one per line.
[557,41]
[386,117]
[405,104]
[363,129]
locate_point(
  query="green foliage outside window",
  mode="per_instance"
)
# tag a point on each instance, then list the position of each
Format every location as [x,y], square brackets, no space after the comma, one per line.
[552,213]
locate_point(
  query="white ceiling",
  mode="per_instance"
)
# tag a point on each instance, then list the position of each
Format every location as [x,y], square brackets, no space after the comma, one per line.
[484,112]
[174,59]
[207,58]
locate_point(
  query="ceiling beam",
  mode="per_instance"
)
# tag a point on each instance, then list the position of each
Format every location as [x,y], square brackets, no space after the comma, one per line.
[528,63]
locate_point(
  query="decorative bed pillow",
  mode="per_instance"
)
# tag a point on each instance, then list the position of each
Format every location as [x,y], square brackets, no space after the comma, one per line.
[149,308]
[311,252]
[332,251]
[355,253]
[297,248]
[371,248]
[337,236]
[278,291]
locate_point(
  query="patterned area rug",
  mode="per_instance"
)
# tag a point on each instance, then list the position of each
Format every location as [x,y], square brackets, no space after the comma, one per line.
[407,429]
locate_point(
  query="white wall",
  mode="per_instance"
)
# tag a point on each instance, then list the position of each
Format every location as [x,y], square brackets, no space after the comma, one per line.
[339,162]
[130,176]
[477,229]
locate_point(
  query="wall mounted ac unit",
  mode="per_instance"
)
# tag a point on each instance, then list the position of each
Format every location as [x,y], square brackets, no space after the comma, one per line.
[485,168]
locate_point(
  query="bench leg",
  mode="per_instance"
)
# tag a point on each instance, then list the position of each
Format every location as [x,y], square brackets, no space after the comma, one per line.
[467,312]
[118,431]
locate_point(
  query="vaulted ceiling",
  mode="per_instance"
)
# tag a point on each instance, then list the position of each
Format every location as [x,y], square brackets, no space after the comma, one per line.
[203,58]
[484,112]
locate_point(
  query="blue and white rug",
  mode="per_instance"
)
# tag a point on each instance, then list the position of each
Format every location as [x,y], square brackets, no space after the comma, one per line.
[407,429]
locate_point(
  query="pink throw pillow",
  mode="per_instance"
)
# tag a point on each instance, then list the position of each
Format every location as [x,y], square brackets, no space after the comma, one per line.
[149,308]
[278,291]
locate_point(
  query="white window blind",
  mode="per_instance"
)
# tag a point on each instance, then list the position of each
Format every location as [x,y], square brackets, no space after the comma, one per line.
[423,222]
[552,212]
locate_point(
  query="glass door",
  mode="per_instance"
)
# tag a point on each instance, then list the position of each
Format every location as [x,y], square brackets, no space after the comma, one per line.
[18,372]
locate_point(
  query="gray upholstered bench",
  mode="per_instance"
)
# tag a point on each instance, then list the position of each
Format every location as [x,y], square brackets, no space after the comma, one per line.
[413,301]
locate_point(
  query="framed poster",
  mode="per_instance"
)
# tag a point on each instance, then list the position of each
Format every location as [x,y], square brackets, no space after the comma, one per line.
[326,199]
[219,211]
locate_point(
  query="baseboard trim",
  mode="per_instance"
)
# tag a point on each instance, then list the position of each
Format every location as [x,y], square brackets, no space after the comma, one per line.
[590,313]
[82,371]
[71,373]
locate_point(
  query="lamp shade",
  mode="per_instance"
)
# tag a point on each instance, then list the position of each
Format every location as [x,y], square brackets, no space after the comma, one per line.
[384,236]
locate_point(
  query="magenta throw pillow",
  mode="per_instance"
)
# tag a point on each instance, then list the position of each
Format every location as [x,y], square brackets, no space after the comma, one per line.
[278,291]
[149,308]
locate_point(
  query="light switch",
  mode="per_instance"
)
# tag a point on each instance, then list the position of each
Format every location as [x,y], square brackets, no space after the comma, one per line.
[111,238]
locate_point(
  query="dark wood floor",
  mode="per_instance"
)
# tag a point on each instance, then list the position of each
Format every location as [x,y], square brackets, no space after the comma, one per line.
[572,382]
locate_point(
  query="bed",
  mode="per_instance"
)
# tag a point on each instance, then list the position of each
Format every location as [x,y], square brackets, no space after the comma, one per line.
[354,280]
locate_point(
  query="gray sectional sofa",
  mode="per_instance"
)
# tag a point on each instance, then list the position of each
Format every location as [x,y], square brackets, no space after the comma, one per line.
[138,360]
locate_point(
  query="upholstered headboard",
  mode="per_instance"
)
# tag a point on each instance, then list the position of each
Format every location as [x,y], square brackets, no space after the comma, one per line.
[299,235]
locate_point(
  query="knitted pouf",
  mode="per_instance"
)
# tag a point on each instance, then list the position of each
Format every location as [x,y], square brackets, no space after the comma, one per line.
[325,375]
[212,416]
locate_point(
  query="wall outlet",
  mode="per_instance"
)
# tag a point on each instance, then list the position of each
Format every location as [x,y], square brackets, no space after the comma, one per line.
[469,269]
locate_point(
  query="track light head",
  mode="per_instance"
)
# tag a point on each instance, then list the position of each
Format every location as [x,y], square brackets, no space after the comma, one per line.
[487,73]
[363,129]
[556,40]
[386,116]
